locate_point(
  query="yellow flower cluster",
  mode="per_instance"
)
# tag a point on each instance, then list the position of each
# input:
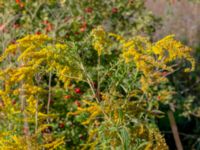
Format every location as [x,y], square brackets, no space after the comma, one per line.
[152,59]
[100,40]
[156,140]
[39,55]
[94,110]
[30,58]
[12,142]
[168,49]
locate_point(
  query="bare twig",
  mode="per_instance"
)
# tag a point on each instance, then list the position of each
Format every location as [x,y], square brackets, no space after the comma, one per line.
[98,78]
[175,130]
[36,115]
[191,87]
[93,91]
[192,136]
[37,10]
[49,94]
[25,119]
[76,78]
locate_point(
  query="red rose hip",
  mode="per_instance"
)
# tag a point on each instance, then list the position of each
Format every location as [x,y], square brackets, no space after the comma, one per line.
[67,96]
[77,103]
[114,10]
[77,90]
[61,125]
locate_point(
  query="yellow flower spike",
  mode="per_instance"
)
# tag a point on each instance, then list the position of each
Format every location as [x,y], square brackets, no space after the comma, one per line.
[33,55]
[148,146]
[93,109]
[61,46]
[34,38]
[151,58]
[55,144]
[141,130]
[118,37]
[100,39]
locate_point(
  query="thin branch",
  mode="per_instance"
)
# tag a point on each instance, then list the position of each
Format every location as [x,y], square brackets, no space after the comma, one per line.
[76,78]
[98,77]
[175,130]
[193,136]
[89,81]
[191,87]
[106,73]
[49,94]
[37,79]
[36,11]
[26,129]
[36,115]
[93,91]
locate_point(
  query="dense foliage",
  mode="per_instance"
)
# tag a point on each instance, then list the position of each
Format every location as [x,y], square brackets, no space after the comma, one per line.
[117,103]
[86,75]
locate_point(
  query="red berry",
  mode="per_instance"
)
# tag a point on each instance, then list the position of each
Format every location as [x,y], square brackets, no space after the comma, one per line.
[13,42]
[77,33]
[77,103]
[88,10]
[38,33]
[158,97]
[94,84]
[51,101]
[17,1]
[67,96]
[77,90]
[14,102]
[21,5]
[49,27]
[82,29]
[114,10]
[81,136]
[61,125]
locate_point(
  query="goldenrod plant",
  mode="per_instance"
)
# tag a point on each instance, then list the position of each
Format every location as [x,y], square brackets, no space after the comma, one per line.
[37,71]
[53,97]
[130,91]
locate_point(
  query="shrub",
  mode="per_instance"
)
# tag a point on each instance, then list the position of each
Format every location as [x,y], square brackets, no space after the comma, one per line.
[109,100]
